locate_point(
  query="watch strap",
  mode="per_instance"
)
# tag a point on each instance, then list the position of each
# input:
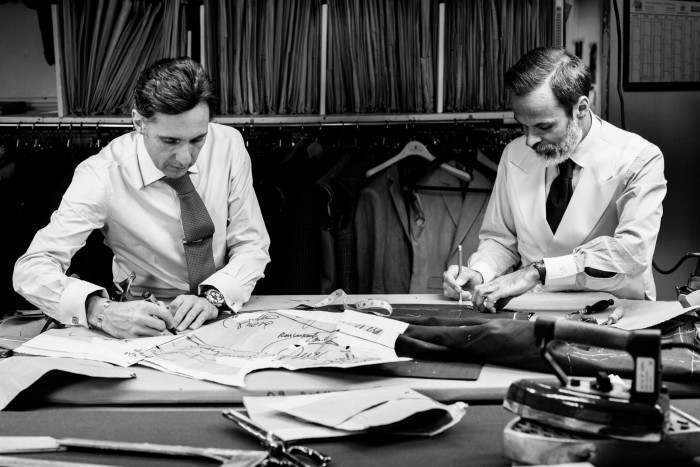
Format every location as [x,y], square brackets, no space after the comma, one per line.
[541,270]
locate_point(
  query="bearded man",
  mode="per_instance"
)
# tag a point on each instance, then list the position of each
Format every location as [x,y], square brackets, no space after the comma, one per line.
[577,202]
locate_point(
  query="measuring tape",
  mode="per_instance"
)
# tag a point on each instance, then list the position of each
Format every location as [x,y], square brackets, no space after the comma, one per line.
[367,305]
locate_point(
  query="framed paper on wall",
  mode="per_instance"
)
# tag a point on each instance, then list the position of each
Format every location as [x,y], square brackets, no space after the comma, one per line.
[661,45]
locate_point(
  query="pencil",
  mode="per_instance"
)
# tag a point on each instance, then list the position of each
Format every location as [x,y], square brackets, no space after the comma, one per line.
[147,295]
[460,270]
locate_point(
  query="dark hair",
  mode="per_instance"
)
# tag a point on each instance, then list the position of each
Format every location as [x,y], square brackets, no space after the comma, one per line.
[568,76]
[172,86]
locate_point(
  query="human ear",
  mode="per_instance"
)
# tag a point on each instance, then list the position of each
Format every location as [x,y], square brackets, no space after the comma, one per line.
[582,108]
[138,121]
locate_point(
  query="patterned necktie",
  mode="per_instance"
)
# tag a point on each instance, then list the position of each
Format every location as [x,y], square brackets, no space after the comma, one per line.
[560,194]
[198,228]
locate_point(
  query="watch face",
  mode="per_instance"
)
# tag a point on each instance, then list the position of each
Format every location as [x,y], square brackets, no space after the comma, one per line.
[215,297]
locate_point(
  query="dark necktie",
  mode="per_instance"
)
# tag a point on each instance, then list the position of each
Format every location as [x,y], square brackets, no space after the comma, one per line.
[560,194]
[198,228]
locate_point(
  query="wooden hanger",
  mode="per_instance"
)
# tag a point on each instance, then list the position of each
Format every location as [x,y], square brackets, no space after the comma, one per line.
[416,148]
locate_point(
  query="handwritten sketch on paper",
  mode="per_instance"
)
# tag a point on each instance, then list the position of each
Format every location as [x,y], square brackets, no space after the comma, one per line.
[227,350]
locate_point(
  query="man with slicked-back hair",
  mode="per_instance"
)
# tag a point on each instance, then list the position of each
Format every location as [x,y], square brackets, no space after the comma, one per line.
[174,199]
[577,202]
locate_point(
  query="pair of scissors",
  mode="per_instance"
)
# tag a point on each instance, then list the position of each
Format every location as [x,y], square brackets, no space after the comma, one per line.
[279,452]
[122,292]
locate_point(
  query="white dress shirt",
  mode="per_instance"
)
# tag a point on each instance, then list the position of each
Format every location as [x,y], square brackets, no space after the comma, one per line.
[120,192]
[611,223]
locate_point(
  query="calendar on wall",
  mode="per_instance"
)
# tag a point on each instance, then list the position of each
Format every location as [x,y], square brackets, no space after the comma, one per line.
[661,45]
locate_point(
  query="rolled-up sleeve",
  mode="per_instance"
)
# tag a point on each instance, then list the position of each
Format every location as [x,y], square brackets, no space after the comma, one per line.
[40,274]
[630,250]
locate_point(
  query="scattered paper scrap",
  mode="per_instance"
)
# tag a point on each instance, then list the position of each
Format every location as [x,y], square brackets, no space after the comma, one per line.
[18,373]
[394,410]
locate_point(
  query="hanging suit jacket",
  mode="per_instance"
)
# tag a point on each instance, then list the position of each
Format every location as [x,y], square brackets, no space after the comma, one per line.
[611,223]
[406,240]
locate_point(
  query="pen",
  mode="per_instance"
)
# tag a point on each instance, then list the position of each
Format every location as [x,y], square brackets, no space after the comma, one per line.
[147,295]
[460,270]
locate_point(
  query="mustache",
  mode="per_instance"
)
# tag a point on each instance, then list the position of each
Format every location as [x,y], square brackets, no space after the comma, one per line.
[544,148]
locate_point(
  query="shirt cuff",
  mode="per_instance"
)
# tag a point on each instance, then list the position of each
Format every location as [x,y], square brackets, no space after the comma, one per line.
[485,270]
[561,270]
[71,309]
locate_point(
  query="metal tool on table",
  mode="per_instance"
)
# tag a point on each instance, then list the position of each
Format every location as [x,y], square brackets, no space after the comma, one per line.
[122,290]
[582,314]
[601,420]
[279,452]
[227,457]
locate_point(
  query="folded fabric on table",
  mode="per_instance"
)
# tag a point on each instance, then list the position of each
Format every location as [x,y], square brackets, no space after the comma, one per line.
[511,343]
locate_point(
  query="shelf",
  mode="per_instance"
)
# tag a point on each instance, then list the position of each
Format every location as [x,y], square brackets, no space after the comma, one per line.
[282,120]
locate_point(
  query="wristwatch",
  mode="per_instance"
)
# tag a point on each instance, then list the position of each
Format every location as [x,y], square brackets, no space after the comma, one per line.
[214,297]
[541,269]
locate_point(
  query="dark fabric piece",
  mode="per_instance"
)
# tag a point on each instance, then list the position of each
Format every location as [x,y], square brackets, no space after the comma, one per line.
[511,343]
[560,194]
[427,369]
[417,310]
[43,11]
[383,247]
[337,192]
[285,190]
[346,188]
[199,230]
[406,238]
[496,341]
[36,170]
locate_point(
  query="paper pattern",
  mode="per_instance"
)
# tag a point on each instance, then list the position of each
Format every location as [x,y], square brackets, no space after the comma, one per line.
[227,350]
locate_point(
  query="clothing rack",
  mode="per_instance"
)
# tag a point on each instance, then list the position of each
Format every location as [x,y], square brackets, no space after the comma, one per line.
[490,136]
[309,176]
[505,117]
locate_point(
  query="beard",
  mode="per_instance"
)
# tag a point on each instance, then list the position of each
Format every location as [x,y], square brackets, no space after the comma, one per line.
[556,153]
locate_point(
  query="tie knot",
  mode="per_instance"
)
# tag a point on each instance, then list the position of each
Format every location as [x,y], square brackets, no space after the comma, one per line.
[566,168]
[182,185]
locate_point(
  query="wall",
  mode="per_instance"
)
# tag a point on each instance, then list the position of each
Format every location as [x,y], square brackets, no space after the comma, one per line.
[25,74]
[584,24]
[671,120]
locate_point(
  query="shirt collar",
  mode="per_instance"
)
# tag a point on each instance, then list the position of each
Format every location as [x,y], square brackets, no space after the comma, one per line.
[581,153]
[149,172]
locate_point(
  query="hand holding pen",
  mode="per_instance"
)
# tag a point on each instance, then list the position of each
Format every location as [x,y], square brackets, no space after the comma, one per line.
[148,296]
[126,320]
[458,281]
